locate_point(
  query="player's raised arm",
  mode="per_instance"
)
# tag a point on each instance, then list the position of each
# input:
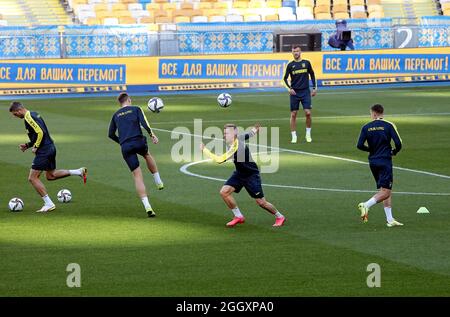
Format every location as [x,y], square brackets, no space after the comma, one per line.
[112,131]
[220,158]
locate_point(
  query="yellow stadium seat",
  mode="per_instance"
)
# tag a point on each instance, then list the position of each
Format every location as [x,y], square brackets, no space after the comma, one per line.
[181,19]
[129,1]
[240,4]
[161,19]
[256,4]
[357,2]
[122,13]
[205,5]
[340,2]
[323,16]
[152,27]
[160,13]
[153,6]
[186,6]
[323,3]
[101,7]
[104,14]
[169,6]
[322,9]
[375,8]
[220,5]
[376,15]
[271,17]
[447,12]
[445,6]
[306,3]
[147,20]
[160,1]
[127,20]
[273,3]
[93,21]
[187,13]
[369,2]
[340,15]
[212,12]
[359,15]
[340,8]
[119,6]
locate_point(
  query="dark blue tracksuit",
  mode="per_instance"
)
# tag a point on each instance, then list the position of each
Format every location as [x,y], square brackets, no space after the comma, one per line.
[378,135]
[45,159]
[300,71]
[128,121]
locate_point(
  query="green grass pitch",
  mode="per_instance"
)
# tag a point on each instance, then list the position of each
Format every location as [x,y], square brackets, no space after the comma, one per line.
[323,250]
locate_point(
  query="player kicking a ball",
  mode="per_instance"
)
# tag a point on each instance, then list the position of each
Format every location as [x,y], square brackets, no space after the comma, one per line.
[41,144]
[246,174]
[128,121]
[378,134]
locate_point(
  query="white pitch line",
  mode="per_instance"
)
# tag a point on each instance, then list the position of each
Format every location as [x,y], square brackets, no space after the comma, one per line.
[184,169]
[312,154]
[315,118]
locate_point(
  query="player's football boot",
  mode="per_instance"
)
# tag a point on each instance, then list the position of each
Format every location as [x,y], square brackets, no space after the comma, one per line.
[235,221]
[279,222]
[84,174]
[160,186]
[150,212]
[308,138]
[294,139]
[364,212]
[394,223]
[46,208]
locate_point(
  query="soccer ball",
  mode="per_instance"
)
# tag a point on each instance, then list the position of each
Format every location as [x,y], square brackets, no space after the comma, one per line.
[224,100]
[15,204]
[64,196]
[155,104]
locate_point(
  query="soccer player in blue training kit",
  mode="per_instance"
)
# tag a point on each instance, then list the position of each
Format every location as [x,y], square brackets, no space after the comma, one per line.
[378,134]
[299,70]
[41,144]
[246,174]
[128,121]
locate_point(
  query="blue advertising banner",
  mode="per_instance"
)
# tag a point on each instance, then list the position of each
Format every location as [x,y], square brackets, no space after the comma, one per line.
[221,69]
[62,73]
[385,63]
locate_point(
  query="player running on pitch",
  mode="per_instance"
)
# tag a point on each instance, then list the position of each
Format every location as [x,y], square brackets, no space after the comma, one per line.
[41,144]
[128,121]
[300,70]
[378,134]
[246,174]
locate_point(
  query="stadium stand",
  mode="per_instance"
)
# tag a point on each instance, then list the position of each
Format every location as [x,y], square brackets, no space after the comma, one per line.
[154,12]
[30,12]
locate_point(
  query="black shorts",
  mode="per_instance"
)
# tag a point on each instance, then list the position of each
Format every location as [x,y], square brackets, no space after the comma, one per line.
[252,184]
[45,159]
[382,172]
[303,96]
[131,148]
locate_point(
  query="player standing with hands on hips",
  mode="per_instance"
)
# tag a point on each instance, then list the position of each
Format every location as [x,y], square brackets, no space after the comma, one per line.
[378,134]
[300,70]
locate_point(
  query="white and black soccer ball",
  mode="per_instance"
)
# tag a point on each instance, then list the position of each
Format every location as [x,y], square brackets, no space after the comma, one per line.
[15,204]
[64,196]
[224,100]
[155,104]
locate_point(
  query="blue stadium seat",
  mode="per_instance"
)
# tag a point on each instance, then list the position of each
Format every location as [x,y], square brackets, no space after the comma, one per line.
[290,3]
